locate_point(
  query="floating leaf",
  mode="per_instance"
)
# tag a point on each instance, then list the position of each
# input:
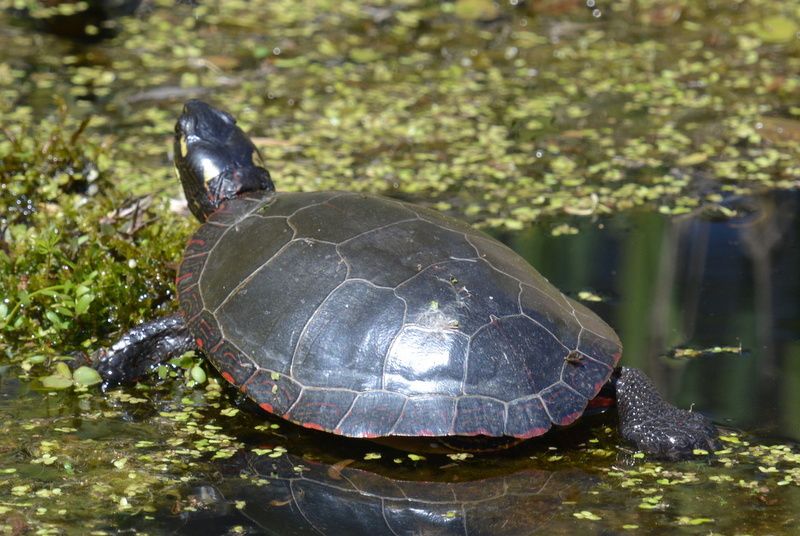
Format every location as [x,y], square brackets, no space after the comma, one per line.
[774,29]
[476,9]
[364,55]
[198,374]
[692,159]
[56,381]
[86,376]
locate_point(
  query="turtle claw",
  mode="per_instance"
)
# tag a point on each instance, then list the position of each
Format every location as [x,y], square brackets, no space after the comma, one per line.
[655,426]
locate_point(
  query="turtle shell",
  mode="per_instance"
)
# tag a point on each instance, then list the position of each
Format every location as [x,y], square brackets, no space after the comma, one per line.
[366,317]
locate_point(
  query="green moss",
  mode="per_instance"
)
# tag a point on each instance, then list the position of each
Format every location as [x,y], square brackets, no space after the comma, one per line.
[74,266]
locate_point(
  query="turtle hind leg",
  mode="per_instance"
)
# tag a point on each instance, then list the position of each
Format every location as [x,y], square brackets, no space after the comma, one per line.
[141,348]
[657,427]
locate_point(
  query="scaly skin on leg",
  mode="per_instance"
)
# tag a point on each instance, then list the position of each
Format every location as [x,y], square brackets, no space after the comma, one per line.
[657,427]
[143,347]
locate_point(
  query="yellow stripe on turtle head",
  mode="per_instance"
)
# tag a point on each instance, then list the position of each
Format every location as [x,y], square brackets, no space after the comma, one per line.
[209,169]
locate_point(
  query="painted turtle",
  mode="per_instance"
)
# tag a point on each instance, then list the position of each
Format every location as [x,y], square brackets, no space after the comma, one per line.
[369,317]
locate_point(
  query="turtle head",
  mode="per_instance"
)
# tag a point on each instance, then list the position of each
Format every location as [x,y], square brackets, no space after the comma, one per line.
[215,159]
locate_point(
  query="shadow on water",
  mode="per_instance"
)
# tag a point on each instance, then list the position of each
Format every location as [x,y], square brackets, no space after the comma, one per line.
[685,283]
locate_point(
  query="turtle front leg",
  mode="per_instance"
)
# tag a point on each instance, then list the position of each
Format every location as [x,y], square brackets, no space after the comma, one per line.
[143,347]
[657,427]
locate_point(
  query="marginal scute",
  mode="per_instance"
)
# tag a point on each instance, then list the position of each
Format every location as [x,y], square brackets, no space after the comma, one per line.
[191,302]
[278,391]
[206,328]
[597,338]
[374,414]
[479,416]
[288,204]
[233,365]
[586,377]
[427,416]
[322,409]
[190,271]
[562,404]
[527,418]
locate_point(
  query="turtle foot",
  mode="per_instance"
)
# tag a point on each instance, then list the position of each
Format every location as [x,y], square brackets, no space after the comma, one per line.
[657,427]
[141,348]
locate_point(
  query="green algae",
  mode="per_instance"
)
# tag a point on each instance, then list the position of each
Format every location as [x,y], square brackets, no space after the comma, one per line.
[76,453]
[513,121]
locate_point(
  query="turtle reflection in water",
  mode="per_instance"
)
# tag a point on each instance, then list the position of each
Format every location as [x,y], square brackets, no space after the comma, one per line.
[293,496]
[368,317]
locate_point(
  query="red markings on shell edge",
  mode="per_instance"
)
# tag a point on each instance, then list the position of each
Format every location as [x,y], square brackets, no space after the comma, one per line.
[338,431]
[534,432]
[601,402]
[266,407]
[311,425]
[227,376]
[568,419]
[200,345]
[184,276]
[206,328]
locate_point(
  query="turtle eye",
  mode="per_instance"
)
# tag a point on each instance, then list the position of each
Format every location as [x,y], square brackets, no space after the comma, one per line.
[184,125]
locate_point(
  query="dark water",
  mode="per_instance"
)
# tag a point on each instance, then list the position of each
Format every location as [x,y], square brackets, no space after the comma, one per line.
[697,283]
